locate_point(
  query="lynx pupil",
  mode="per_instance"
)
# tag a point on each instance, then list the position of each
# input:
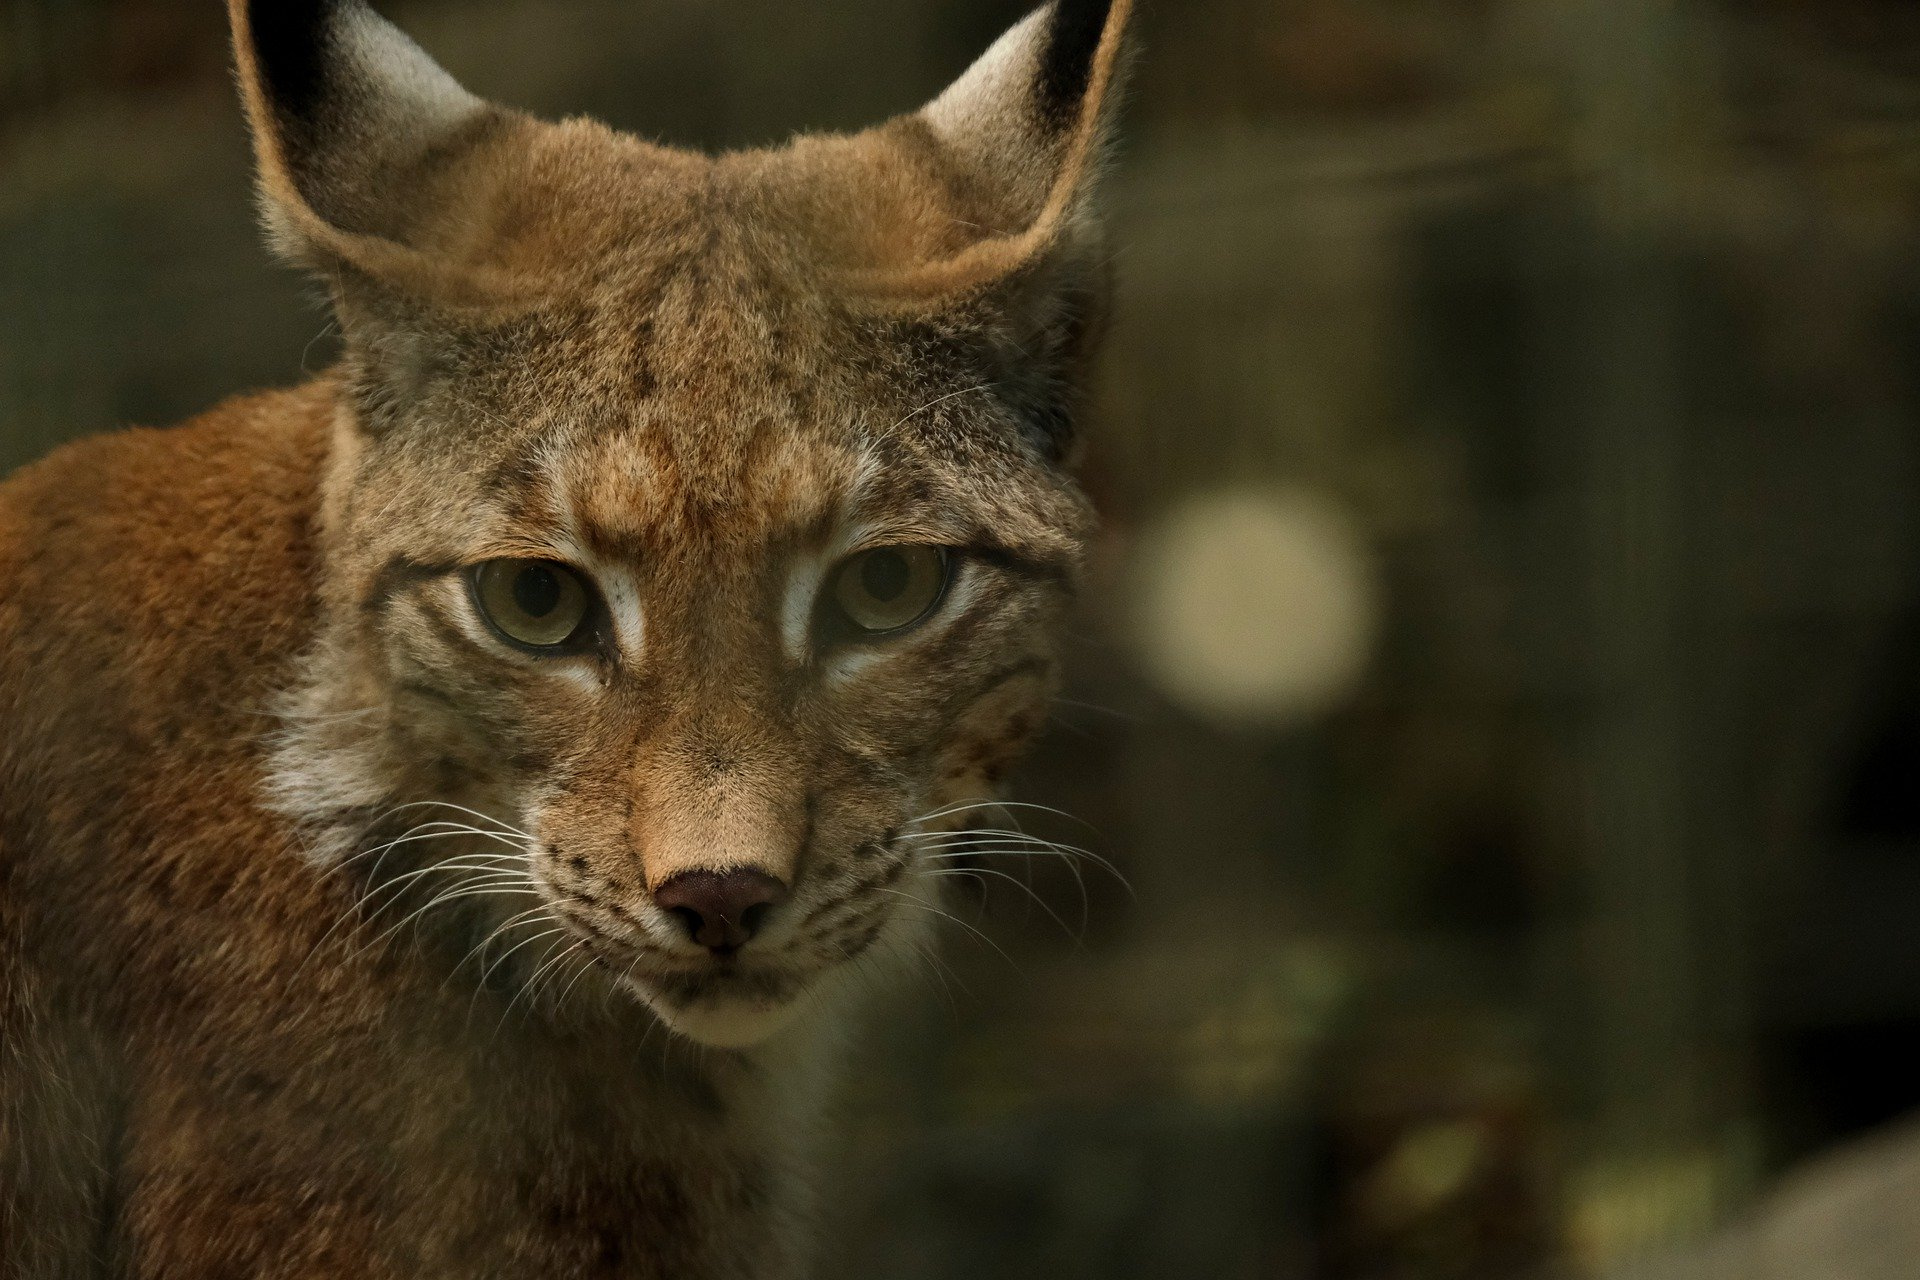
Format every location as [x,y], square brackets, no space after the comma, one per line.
[884,575]
[536,589]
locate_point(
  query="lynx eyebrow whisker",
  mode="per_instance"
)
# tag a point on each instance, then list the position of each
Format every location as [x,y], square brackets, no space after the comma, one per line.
[937,400]
[332,326]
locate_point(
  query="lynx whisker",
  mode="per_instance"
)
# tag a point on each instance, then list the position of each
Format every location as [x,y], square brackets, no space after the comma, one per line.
[499,823]
[976,873]
[694,519]
[554,969]
[392,889]
[495,885]
[948,915]
[486,974]
[968,806]
[530,992]
[423,831]
[356,910]
[494,934]
[560,1000]
[1000,840]
[962,844]
[1112,712]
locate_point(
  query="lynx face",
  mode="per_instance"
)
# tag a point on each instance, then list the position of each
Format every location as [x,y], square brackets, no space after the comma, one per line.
[697,527]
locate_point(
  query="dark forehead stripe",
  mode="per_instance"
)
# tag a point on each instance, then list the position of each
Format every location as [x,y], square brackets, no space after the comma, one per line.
[1066,66]
[524,489]
[517,473]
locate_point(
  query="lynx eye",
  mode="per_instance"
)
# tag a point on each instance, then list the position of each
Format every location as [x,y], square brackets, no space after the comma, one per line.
[536,603]
[888,588]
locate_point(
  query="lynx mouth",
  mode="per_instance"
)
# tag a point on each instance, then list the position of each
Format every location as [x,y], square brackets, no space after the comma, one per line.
[724,1008]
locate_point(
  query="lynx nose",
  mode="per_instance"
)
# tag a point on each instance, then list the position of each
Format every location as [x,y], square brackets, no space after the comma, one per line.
[720,910]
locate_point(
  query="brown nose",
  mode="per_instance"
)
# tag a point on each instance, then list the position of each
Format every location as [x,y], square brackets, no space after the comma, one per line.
[720,910]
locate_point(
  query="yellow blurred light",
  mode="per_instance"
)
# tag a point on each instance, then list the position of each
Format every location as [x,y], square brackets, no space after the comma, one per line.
[1255,606]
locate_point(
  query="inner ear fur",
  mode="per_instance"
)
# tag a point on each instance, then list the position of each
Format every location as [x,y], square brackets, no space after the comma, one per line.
[374,163]
[1021,136]
[1013,150]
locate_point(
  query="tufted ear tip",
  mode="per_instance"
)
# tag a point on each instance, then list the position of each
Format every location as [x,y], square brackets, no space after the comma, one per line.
[1036,106]
[346,112]
[281,49]
[1076,33]
[1023,131]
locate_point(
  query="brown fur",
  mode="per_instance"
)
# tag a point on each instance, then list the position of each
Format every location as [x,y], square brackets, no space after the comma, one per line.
[327,937]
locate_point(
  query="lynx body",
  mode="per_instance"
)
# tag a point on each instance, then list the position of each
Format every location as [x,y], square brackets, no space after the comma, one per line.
[444,807]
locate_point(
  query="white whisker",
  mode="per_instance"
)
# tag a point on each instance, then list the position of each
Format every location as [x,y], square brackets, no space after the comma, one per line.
[948,915]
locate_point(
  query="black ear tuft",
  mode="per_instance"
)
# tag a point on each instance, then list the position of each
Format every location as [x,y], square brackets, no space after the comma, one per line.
[1026,125]
[292,40]
[349,117]
[1074,31]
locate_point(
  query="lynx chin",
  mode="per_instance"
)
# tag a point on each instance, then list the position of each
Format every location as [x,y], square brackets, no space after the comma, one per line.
[446,807]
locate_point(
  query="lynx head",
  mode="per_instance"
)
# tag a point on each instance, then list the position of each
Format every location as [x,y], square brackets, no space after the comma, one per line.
[702,522]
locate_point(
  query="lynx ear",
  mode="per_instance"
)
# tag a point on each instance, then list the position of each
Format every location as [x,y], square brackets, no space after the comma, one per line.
[364,144]
[1019,140]
[1026,126]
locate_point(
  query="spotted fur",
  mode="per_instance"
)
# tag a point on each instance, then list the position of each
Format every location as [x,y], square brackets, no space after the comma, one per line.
[328,943]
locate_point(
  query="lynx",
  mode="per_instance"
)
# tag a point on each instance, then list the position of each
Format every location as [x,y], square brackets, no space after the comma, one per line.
[446,808]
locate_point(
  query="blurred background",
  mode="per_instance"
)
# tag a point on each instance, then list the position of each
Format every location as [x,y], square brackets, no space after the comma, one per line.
[1498,687]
